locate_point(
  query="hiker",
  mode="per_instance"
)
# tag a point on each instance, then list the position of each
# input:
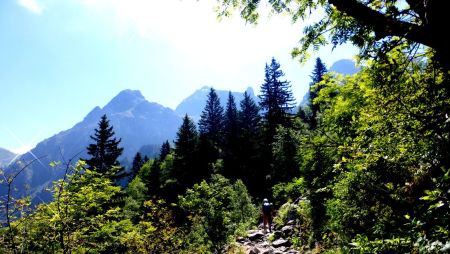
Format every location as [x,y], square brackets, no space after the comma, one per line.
[267,214]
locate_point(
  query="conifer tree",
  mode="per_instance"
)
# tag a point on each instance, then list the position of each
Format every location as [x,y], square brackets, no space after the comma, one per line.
[185,161]
[136,166]
[276,99]
[165,150]
[105,150]
[317,75]
[231,141]
[277,103]
[210,133]
[249,118]
[211,119]
[249,139]
[154,181]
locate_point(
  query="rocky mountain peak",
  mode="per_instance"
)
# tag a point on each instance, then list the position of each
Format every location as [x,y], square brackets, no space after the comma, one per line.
[125,100]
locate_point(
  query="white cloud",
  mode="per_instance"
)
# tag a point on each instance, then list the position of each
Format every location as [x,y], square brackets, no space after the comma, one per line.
[31,5]
[192,29]
[227,55]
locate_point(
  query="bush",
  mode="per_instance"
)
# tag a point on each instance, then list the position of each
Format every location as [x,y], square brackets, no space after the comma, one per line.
[218,210]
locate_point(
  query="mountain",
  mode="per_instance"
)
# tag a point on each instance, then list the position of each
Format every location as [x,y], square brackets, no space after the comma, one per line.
[194,104]
[6,157]
[345,67]
[135,120]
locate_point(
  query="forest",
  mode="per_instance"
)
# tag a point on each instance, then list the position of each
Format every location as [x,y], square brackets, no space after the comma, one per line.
[363,167]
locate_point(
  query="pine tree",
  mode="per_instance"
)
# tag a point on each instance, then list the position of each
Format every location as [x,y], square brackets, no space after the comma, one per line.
[249,139]
[136,166]
[154,181]
[211,119]
[165,150]
[185,170]
[317,75]
[231,141]
[105,150]
[277,103]
[249,118]
[276,99]
[210,133]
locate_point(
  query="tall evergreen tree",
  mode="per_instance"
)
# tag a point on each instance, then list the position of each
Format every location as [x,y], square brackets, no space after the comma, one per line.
[249,118]
[249,149]
[277,103]
[138,161]
[211,119]
[317,75]
[105,150]
[210,132]
[185,170]
[231,141]
[164,151]
[154,179]
[276,99]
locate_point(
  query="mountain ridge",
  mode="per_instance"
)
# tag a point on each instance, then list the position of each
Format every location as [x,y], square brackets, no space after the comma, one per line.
[135,120]
[6,157]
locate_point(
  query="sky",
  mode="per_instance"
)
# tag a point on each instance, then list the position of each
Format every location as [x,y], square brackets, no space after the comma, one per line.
[61,58]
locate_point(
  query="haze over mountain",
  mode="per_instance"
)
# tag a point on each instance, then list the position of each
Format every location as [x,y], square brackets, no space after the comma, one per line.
[194,104]
[136,121]
[143,126]
[345,67]
[6,157]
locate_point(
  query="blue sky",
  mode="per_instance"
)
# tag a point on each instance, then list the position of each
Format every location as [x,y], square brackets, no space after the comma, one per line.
[61,58]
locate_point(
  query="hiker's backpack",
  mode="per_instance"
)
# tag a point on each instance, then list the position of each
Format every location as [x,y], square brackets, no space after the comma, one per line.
[267,208]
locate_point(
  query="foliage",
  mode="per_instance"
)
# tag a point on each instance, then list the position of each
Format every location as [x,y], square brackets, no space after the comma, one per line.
[288,191]
[284,149]
[81,218]
[155,232]
[373,26]
[220,207]
[301,213]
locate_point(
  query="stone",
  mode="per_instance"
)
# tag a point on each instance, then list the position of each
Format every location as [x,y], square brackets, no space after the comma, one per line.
[291,222]
[267,251]
[255,236]
[277,234]
[287,230]
[281,242]
[254,250]
[241,239]
[282,249]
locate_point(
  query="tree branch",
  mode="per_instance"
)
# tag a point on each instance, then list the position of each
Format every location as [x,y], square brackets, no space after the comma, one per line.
[383,25]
